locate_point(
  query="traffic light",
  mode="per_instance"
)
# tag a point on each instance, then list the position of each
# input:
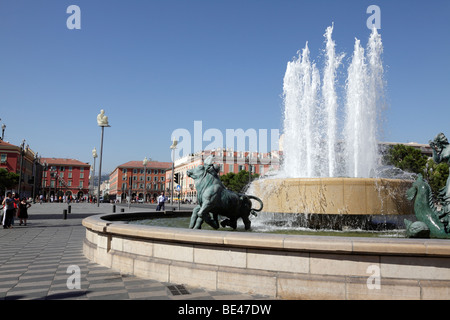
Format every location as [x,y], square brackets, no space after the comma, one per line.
[176,178]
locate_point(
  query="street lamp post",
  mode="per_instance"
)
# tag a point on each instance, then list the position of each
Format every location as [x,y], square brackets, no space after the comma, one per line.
[53,172]
[22,151]
[173,147]
[144,162]
[94,155]
[3,131]
[249,168]
[102,122]
[35,160]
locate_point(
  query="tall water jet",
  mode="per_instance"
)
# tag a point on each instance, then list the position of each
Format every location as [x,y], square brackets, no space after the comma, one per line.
[330,99]
[363,94]
[312,141]
[301,85]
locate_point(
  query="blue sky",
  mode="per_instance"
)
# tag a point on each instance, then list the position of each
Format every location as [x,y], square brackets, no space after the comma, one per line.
[155,66]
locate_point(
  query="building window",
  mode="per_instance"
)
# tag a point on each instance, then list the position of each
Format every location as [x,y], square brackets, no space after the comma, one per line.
[81,184]
[70,168]
[81,175]
[70,183]
[70,175]
[3,158]
[134,171]
[124,171]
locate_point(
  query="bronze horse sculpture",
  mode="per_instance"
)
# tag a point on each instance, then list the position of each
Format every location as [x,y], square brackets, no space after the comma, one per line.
[215,200]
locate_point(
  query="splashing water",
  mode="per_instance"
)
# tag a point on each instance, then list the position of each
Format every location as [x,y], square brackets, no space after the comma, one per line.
[313,146]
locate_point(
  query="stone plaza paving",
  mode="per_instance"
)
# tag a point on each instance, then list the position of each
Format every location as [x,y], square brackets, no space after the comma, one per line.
[40,261]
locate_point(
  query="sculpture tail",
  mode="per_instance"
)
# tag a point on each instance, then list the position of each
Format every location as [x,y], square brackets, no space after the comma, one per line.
[253,211]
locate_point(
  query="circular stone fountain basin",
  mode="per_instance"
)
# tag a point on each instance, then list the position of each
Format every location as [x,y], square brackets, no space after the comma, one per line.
[276,265]
[336,203]
[344,196]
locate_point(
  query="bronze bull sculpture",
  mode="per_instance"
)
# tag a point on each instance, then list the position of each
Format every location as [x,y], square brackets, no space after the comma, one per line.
[215,199]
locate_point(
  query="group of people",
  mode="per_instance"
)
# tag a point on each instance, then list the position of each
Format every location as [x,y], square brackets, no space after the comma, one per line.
[12,206]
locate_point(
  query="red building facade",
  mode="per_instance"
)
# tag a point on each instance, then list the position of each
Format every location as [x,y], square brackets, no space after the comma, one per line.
[24,162]
[68,177]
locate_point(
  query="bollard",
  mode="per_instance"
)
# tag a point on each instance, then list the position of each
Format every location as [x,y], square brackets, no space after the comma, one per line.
[69,209]
[122,210]
[65,214]
[114,208]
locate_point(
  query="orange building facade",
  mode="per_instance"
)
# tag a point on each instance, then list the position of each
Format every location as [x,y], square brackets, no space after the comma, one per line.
[142,183]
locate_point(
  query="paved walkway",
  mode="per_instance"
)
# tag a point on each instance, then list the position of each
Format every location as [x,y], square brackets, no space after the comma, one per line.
[40,261]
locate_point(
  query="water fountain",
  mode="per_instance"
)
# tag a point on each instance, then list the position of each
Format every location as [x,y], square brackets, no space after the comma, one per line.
[330,168]
[293,266]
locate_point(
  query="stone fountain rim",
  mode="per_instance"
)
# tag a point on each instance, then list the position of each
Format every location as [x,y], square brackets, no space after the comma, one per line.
[349,179]
[105,224]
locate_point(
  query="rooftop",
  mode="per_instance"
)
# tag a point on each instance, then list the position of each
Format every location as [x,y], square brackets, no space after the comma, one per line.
[150,164]
[64,162]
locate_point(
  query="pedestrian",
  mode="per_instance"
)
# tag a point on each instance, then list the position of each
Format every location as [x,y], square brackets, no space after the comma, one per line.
[23,211]
[16,206]
[8,202]
[161,200]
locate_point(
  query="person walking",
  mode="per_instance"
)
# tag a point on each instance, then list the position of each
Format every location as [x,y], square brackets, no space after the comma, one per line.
[23,211]
[8,202]
[161,201]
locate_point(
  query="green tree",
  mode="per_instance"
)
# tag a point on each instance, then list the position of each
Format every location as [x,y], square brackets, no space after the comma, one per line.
[406,158]
[8,180]
[412,160]
[237,181]
[436,175]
